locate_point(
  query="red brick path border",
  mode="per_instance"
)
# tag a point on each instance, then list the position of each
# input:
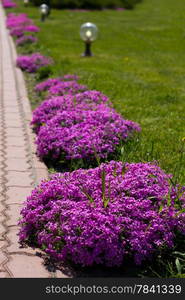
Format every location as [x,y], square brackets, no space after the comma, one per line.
[20,170]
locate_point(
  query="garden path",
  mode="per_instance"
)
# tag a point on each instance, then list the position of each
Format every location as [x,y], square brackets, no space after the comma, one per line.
[20,170]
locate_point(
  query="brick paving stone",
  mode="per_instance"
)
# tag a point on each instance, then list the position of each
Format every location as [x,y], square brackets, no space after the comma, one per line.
[38,164]
[1,204]
[15,141]
[14,132]
[2,243]
[42,174]
[17,164]
[11,109]
[11,105]
[1,159]
[1,217]
[16,152]
[1,186]
[24,266]
[15,247]
[60,274]
[3,274]
[13,214]
[17,195]
[3,259]
[19,179]
[1,179]
[2,230]
[9,116]
[8,93]
[13,123]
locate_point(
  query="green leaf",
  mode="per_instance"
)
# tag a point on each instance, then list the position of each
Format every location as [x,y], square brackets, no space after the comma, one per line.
[103,175]
[86,194]
[178,265]
[179,253]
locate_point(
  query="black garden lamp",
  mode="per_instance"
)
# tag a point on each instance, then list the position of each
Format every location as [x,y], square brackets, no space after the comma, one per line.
[44,10]
[88,33]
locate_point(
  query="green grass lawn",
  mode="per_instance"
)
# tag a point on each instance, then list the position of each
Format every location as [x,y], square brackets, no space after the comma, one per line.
[139,62]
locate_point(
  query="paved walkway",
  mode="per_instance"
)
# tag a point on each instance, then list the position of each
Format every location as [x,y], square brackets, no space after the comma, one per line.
[20,170]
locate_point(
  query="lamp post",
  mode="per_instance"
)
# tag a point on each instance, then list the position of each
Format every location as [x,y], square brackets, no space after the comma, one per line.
[26,2]
[44,9]
[88,33]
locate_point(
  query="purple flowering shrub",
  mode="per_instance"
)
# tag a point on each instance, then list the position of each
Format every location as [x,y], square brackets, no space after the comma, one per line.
[31,63]
[26,39]
[79,134]
[104,215]
[8,4]
[20,20]
[49,108]
[66,87]
[19,31]
[20,24]
[61,86]
[46,84]
[31,28]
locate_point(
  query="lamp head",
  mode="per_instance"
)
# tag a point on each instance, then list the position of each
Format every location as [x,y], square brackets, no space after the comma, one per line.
[44,9]
[88,32]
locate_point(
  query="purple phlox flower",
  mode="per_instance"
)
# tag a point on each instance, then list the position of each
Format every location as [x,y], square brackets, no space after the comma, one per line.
[8,4]
[27,39]
[67,218]
[48,108]
[31,63]
[79,133]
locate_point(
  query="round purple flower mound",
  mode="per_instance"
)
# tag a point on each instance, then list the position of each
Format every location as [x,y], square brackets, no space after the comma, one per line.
[46,84]
[8,4]
[31,63]
[20,30]
[20,20]
[48,108]
[17,32]
[20,24]
[26,39]
[31,28]
[82,133]
[66,87]
[104,215]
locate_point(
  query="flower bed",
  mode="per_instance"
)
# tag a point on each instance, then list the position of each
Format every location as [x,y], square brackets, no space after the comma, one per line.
[20,26]
[60,86]
[19,20]
[46,84]
[83,134]
[104,215]
[21,30]
[31,63]
[66,87]
[8,4]
[48,108]
[26,39]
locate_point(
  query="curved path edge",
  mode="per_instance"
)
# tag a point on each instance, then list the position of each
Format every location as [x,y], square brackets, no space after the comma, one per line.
[20,169]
